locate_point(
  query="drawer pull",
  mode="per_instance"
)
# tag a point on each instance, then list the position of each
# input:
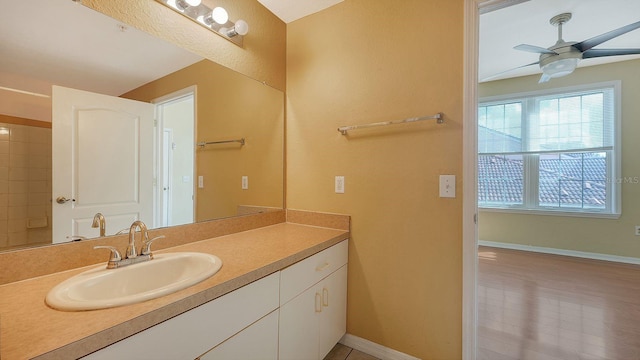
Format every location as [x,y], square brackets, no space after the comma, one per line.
[323,266]
[325,297]
[318,303]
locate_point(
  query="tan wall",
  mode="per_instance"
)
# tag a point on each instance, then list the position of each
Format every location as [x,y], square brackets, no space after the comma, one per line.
[359,62]
[262,57]
[603,236]
[230,105]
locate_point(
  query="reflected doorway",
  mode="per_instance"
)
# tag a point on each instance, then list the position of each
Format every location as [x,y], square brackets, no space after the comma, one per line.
[175,134]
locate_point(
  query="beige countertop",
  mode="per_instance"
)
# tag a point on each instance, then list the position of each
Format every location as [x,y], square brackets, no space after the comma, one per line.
[30,329]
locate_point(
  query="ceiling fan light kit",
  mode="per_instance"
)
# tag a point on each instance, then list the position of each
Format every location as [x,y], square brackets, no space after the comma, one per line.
[563,57]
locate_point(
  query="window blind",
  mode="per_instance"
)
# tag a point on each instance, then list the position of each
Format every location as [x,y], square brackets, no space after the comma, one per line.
[563,123]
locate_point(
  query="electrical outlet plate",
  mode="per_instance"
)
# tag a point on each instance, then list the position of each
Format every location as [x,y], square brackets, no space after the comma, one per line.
[447,186]
[637,230]
[339,185]
[245,183]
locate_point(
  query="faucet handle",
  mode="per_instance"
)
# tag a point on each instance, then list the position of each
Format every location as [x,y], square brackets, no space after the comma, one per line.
[115,254]
[146,246]
[123,231]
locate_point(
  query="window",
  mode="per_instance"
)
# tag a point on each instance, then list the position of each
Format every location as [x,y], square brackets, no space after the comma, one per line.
[553,152]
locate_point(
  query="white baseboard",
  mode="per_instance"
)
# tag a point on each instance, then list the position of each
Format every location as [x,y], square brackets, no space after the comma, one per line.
[373,349]
[546,250]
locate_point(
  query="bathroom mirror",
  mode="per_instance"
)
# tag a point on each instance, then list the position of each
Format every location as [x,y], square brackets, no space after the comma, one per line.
[235,179]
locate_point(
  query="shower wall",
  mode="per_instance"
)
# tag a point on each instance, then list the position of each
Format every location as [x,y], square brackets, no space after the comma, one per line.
[25,182]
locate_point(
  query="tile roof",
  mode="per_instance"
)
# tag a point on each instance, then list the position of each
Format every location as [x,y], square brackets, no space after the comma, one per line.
[568,180]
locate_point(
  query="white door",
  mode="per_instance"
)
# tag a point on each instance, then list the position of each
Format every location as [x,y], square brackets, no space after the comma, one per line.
[102,162]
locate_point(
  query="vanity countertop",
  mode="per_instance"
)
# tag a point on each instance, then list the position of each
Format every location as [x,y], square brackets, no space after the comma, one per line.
[30,329]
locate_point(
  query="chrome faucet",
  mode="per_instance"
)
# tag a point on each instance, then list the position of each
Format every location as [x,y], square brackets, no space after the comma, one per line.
[98,221]
[132,256]
[131,249]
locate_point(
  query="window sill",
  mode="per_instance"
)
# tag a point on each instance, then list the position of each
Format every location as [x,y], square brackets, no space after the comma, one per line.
[584,214]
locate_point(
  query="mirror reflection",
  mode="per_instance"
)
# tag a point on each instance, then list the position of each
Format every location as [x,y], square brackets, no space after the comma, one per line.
[194,100]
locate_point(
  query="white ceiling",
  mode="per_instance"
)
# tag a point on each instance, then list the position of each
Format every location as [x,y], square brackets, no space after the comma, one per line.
[291,10]
[64,43]
[528,23]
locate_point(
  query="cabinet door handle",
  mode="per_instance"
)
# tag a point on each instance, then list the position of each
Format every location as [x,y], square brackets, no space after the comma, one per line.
[325,297]
[323,266]
[318,303]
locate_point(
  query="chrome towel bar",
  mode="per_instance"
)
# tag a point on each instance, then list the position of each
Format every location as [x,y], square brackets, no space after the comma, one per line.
[202,144]
[438,117]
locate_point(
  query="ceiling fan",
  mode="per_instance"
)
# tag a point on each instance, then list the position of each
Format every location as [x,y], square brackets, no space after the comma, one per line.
[562,58]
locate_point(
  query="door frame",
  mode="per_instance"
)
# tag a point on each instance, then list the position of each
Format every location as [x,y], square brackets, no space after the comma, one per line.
[166,160]
[470,173]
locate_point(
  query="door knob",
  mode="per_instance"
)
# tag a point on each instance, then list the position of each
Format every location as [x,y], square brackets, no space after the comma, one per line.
[62,200]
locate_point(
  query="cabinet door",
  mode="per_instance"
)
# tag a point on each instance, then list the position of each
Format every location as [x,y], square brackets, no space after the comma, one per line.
[333,319]
[299,331]
[190,334]
[257,342]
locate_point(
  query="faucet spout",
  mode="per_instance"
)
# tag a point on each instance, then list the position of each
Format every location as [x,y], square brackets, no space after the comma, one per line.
[131,249]
[98,221]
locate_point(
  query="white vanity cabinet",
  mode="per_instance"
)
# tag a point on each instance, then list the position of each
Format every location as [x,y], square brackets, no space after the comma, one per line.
[296,313]
[189,335]
[313,304]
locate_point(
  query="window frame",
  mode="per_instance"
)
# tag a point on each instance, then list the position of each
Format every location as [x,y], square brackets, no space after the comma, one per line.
[531,160]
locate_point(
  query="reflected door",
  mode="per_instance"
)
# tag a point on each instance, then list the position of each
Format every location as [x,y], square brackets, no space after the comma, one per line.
[102,162]
[176,127]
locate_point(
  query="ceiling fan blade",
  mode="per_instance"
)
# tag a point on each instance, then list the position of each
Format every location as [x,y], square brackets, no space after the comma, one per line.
[506,71]
[594,53]
[534,49]
[597,40]
[544,78]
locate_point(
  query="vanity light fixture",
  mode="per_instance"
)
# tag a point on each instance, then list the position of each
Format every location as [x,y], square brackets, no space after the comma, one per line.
[216,19]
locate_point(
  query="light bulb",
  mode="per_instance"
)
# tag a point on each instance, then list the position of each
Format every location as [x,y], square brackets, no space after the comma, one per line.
[182,5]
[560,67]
[242,28]
[220,15]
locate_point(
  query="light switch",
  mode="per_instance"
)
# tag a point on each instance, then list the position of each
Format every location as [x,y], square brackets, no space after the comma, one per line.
[448,186]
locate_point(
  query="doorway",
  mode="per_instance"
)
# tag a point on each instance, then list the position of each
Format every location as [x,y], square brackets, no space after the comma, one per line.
[175,146]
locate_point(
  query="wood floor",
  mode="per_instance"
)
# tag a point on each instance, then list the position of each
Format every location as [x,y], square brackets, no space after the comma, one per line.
[538,306]
[342,352]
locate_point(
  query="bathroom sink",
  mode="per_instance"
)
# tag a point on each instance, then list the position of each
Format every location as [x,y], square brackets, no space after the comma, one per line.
[101,288]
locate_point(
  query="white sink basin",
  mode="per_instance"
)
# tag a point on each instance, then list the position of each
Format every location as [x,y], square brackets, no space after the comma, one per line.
[101,288]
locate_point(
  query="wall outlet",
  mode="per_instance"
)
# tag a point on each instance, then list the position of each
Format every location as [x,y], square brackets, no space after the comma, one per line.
[200,181]
[339,184]
[245,182]
[637,230]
